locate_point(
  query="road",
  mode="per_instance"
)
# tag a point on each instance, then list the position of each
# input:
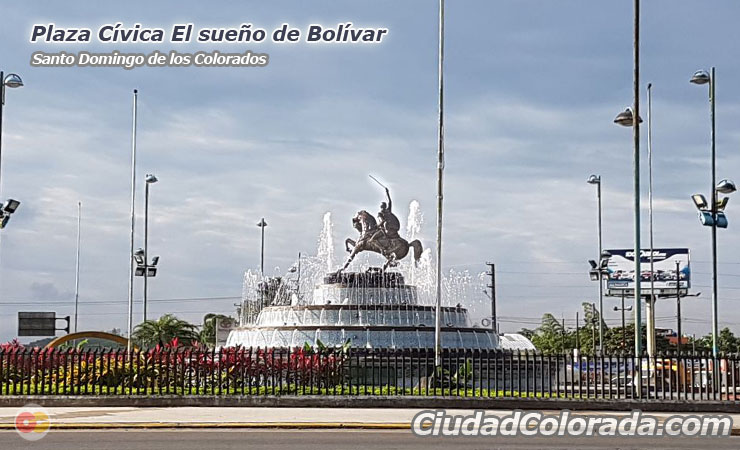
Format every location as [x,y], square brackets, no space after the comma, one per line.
[329,439]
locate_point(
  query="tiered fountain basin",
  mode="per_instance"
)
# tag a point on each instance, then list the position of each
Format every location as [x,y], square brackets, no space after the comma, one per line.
[372,309]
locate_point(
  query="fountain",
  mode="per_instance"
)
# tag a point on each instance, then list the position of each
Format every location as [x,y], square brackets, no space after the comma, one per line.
[370,308]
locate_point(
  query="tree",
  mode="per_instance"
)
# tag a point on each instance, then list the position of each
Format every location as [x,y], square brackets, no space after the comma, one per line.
[727,342]
[163,330]
[550,336]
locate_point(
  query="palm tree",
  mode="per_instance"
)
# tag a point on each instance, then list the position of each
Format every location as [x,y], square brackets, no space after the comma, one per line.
[163,330]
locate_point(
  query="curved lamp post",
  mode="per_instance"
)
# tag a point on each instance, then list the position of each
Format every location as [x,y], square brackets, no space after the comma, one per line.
[711,213]
[150,179]
[596,180]
[12,81]
[626,119]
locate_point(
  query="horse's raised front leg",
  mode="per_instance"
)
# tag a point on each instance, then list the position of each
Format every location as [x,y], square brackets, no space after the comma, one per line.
[349,242]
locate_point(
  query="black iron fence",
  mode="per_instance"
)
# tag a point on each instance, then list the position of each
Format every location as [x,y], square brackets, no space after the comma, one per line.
[471,373]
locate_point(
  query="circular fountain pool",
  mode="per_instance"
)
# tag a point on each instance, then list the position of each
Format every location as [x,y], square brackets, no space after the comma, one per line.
[373,309]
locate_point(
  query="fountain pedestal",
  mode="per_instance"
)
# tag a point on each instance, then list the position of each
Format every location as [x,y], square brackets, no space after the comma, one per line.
[373,309]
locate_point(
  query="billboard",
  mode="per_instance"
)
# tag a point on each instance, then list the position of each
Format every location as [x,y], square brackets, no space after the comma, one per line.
[621,270]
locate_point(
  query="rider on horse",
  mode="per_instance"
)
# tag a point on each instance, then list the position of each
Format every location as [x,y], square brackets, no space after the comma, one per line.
[387,221]
[380,237]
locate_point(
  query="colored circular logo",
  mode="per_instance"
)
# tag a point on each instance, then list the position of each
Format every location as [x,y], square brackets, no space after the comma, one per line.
[32,422]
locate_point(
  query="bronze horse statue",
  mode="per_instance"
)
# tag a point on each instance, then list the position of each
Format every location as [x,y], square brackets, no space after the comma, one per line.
[374,239]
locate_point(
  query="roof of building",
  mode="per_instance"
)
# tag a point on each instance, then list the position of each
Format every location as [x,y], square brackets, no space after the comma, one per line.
[515,341]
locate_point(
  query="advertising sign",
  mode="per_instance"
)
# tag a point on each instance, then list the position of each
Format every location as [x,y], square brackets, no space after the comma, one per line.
[664,278]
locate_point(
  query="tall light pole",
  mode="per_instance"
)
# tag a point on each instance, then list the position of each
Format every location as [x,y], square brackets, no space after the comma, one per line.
[702,77]
[636,169]
[150,179]
[631,118]
[77,263]
[596,180]
[133,224]
[627,119]
[10,81]
[262,224]
[440,179]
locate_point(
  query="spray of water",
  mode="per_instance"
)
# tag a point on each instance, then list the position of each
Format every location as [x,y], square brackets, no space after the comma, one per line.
[458,287]
[326,244]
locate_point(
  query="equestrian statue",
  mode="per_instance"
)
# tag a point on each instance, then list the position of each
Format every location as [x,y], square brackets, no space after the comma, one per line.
[380,236]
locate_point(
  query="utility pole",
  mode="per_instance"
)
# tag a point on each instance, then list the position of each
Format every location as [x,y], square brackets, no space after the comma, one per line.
[492,286]
[624,325]
[562,334]
[593,327]
[77,263]
[678,308]
[578,333]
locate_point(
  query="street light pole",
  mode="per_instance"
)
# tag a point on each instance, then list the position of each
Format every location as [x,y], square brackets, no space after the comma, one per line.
[150,179]
[12,81]
[596,179]
[702,77]
[133,224]
[715,325]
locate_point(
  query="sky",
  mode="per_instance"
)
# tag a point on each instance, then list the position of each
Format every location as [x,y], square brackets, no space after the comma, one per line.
[532,88]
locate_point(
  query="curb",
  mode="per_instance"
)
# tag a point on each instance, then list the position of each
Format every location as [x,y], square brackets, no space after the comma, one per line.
[217,425]
[384,401]
[235,425]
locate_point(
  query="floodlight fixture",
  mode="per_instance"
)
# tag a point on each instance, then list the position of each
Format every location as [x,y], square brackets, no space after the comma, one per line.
[593,264]
[11,205]
[722,203]
[151,178]
[721,220]
[700,77]
[700,201]
[594,179]
[139,256]
[155,260]
[706,219]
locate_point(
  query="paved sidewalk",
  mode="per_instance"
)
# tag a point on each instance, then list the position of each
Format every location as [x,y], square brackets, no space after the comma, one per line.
[207,417]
